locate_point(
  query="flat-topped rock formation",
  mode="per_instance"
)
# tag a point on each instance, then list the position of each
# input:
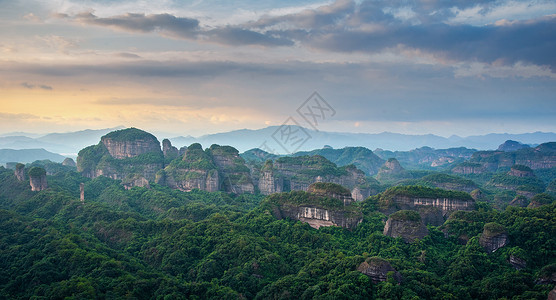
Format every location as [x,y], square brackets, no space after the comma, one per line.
[377,269]
[494,237]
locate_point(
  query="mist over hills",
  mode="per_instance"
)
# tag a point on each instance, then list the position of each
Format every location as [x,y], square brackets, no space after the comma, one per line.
[246,139]
[68,144]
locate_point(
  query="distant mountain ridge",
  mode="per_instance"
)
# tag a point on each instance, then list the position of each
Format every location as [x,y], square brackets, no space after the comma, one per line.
[28,156]
[246,139]
[267,139]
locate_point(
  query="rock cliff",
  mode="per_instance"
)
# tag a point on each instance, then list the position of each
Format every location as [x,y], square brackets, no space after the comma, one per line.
[19,172]
[540,157]
[332,190]
[521,171]
[467,168]
[316,210]
[169,151]
[236,177]
[130,142]
[517,262]
[449,182]
[122,154]
[392,171]
[494,237]
[37,179]
[377,269]
[406,224]
[417,197]
[298,173]
[195,170]
[68,162]
[519,201]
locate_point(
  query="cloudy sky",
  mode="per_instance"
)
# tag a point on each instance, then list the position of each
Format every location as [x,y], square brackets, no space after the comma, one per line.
[195,67]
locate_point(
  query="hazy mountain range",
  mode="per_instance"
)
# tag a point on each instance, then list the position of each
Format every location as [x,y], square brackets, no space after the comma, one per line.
[68,144]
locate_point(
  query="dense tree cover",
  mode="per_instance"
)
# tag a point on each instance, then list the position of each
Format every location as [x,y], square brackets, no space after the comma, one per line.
[160,243]
[130,134]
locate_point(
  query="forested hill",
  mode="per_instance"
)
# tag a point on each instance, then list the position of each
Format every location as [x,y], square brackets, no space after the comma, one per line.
[160,243]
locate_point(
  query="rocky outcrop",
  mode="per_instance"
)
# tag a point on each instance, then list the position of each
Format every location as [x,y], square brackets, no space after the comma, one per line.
[494,237]
[521,171]
[431,215]
[540,157]
[477,195]
[467,168]
[509,146]
[236,177]
[130,142]
[392,170]
[519,201]
[547,275]
[314,209]
[435,205]
[442,161]
[361,157]
[332,190]
[37,179]
[318,217]
[195,170]
[122,154]
[406,224]
[270,182]
[135,181]
[19,172]
[298,173]
[68,162]
[377,269]
[517,262]
[168,150]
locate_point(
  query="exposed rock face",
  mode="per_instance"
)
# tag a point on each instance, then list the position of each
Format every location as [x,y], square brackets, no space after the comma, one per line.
[236,177]
[298,173]
[447,205]
[431,215]
[82,192]
[182,150]
[517,262]
[552,294]
[494,237]
[269,181]
[477,194]
[37,179]
[392,170]
[314,209]
[122,154]
[332,190]
[547,275]
[68,162]
[442,161]
[168,150]
[134,181]
[510,145]
[521,171]
[130,142]
[20,172]
[519,201]
[318,217]
[406,224]
[378,268]
[540,157]
[467,168]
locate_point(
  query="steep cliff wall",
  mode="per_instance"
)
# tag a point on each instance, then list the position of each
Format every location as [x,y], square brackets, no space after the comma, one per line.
[121,155]
[313,209]
[406,224]
[37,179]
[236,177]
[418,197]
[298,173]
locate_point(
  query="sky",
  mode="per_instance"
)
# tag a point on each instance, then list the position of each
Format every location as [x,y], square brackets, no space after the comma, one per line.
[196,67]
